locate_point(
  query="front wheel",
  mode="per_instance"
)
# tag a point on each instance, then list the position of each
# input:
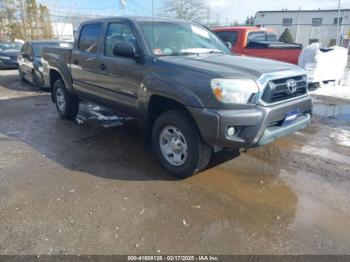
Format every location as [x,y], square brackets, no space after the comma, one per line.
[36,82]
[66,104]
[178,144]
[21,75]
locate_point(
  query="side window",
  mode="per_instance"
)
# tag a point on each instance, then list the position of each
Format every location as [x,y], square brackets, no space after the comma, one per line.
[24,48]
[271,37]
[316,21]
[230,37]
[29,49]
[118,33]
[287,21]
[90,37]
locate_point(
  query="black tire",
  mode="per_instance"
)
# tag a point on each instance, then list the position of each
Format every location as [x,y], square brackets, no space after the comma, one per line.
[21,75]
[198,152]
[71,103]
[36,82]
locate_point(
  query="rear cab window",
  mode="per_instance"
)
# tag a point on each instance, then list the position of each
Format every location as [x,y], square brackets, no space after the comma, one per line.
[90,38]
[262,37]
[257,37]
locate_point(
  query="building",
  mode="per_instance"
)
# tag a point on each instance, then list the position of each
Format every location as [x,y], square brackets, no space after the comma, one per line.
[308,26]
[63,31]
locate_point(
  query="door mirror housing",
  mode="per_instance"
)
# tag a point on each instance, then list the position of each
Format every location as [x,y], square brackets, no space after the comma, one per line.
[124,49]
[25,55]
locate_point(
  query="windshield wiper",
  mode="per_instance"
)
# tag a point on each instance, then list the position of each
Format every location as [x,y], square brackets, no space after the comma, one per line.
[178,54]
[215,52]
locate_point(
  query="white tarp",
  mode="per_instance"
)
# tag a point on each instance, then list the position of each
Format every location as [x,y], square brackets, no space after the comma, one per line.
[323,64]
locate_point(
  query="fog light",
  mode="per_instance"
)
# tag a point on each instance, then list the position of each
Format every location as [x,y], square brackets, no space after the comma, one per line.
[231,131]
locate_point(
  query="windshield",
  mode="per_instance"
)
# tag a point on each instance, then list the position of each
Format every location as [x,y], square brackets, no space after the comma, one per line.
[38,47]
[168,38]
[10,46]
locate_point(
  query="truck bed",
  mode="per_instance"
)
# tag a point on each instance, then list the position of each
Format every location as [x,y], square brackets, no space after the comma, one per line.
[57,54]
[57,57]
[274,45]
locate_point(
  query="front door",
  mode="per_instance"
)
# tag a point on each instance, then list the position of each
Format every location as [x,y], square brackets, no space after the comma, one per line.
[120,77]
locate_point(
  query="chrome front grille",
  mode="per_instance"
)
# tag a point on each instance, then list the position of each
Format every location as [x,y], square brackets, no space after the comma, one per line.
[277,90]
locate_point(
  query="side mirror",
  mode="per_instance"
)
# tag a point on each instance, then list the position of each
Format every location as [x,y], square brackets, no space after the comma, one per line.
[124,49]
[229,45]
[25,55]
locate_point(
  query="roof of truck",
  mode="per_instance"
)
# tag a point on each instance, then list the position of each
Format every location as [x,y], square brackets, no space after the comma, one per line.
[137,19]
[242,28]
[45,41]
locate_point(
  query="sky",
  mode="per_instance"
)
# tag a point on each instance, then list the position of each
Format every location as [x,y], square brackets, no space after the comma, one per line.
[225,10]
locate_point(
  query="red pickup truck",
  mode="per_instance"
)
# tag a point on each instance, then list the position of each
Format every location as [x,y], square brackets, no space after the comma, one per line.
[259,42]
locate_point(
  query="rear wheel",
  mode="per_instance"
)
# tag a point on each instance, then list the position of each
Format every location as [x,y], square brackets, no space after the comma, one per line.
[66,104]
[178,144]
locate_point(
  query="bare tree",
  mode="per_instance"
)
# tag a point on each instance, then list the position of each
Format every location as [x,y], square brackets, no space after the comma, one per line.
[193,10]
[24,19]
[250,20]
[44,22]
[10,25]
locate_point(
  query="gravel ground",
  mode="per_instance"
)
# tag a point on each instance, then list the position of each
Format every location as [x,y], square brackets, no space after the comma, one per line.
[69,188]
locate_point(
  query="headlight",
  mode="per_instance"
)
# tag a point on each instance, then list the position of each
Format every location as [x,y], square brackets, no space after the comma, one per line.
[5,57]
[238,91]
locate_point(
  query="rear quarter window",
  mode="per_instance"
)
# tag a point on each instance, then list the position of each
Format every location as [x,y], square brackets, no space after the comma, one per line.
[257,37]
[90,37]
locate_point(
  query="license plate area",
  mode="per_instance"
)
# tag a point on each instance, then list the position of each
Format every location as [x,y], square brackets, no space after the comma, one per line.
[291,116]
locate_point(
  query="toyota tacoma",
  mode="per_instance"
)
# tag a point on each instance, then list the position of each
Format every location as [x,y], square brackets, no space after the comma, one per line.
[180,80]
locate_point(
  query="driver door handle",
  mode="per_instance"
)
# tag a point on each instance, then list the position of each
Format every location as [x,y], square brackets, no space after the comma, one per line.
[103,67]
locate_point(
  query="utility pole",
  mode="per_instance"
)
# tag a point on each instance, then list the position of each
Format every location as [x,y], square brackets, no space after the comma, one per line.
[338,25]
[298,27]
[208,16]
[122,5]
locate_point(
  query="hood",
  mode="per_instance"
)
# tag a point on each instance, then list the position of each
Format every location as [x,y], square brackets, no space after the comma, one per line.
[10,53]
[227,66]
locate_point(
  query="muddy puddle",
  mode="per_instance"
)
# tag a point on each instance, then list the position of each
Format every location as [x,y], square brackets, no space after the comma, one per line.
[338,112]
[263,199]
[273,199]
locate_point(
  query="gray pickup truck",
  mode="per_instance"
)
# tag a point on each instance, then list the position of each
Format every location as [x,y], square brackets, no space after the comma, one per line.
[193,96]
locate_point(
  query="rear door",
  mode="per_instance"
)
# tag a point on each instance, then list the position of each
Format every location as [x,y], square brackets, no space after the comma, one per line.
[120,76]
[84,60]
[25,60]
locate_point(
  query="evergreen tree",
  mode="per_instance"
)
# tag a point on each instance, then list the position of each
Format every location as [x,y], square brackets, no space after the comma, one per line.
[286,37]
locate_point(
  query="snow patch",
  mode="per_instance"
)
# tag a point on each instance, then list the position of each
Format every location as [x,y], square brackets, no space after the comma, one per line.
[342,137]
[332,90]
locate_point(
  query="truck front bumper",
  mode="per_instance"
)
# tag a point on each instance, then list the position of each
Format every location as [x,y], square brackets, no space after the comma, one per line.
[253,127]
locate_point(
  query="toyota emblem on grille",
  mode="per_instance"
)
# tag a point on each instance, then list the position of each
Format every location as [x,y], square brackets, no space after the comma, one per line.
[292,86]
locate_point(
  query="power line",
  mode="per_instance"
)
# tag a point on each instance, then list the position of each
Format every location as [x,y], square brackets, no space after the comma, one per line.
[84,8]
[141,7]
